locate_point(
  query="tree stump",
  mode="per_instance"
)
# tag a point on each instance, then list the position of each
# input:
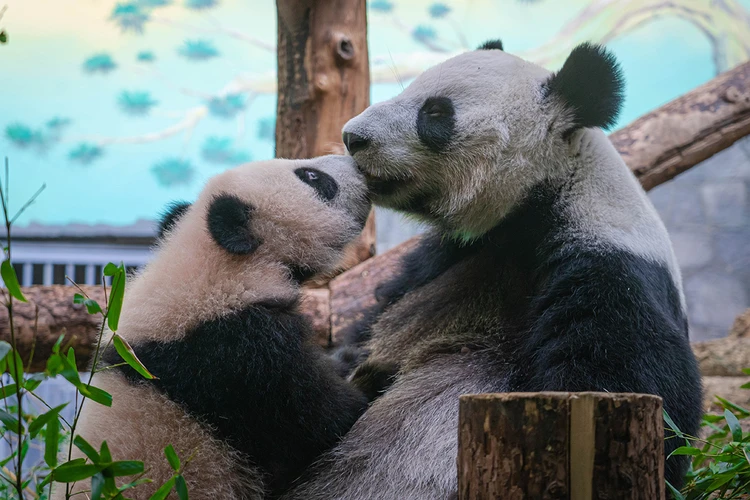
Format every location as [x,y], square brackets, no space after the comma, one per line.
[323,81]
[560,445]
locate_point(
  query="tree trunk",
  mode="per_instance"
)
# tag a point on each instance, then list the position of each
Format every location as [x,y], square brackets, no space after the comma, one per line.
[323,81]
[560,445]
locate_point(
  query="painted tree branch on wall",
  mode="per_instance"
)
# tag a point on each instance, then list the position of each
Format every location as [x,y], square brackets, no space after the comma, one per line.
[724,25]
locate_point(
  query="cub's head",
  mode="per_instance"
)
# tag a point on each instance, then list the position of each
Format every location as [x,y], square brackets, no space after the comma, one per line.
[295,213]
[463,143]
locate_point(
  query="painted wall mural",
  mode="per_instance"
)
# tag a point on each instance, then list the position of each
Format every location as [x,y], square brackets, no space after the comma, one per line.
[122,106]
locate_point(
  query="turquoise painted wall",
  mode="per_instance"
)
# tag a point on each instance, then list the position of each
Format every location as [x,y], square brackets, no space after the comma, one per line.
[123,106]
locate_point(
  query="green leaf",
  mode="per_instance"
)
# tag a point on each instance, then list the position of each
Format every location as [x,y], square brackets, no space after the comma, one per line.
[24,449]
[172,458]
[8,391]
[15,367]
[134,484]
[10,422]
[720,480]
[11,280]
[745,386]
[58,343]
[105,453]
[87,449]
[686,450]
[746,371]
[181,487]
[51,441]
[75,470]
[128,355]
[95,394]
[110,269]
[97,486]
[125,468]
[92,306]
[34,381]
[5,348]
[728,404]
[164,490]
[734,425]
[42,420]
[671,424]
[114,307]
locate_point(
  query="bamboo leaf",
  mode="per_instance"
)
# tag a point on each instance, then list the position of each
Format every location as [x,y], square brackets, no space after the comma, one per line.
[128,355]
[172,458]
[734,425]
[51,441]
[164,490]
[181,487]
[11,280]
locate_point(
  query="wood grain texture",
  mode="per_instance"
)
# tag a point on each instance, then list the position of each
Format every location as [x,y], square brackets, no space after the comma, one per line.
[684,132]
[323,81]
[560,445]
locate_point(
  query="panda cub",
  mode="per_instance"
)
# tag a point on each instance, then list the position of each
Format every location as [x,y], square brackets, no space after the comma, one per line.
[215,317]
[547,268]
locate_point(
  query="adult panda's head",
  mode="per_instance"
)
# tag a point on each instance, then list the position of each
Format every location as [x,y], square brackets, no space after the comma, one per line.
[251,236]
[463,143]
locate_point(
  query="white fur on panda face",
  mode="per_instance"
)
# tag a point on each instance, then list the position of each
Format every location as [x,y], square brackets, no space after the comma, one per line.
[501,132]
[193,278]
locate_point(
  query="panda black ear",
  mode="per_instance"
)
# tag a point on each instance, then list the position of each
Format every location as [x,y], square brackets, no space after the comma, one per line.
[228,220]
[591,85]
[491,44]
[170,216]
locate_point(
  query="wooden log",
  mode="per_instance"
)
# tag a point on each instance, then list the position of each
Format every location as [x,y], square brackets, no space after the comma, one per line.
[323,81]
[657,147]
[50,312]
[560,445]
[687,130]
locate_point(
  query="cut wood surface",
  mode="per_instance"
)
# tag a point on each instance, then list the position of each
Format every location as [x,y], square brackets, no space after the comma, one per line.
[560,445]
[323,81]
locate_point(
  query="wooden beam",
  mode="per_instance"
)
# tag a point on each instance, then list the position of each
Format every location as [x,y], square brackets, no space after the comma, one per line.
[323,81]
[657,147]
[560,445]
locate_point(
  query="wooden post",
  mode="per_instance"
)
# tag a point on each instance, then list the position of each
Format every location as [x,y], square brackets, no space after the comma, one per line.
[553,445]
[323,81]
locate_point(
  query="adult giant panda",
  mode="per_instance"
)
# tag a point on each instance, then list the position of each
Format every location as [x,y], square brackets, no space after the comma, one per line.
[547,268]
[215,317]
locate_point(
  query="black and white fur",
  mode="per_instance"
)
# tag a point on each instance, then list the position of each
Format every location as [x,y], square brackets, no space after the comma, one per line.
[215,317]
[547,269]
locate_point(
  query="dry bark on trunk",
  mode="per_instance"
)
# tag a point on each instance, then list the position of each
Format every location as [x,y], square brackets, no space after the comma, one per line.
[560,445]
[323,81]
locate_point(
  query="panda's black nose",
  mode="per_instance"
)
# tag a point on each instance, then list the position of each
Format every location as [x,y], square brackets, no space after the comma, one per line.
[354,142]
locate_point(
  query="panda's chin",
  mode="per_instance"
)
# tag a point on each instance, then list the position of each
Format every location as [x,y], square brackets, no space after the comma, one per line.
[380,188]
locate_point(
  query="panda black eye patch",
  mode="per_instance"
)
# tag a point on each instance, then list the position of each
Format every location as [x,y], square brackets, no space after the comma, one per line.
[322,183]
[436,123]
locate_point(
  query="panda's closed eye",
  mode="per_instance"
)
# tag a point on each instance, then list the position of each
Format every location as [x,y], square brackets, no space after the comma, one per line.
[436,123]
[324,185]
